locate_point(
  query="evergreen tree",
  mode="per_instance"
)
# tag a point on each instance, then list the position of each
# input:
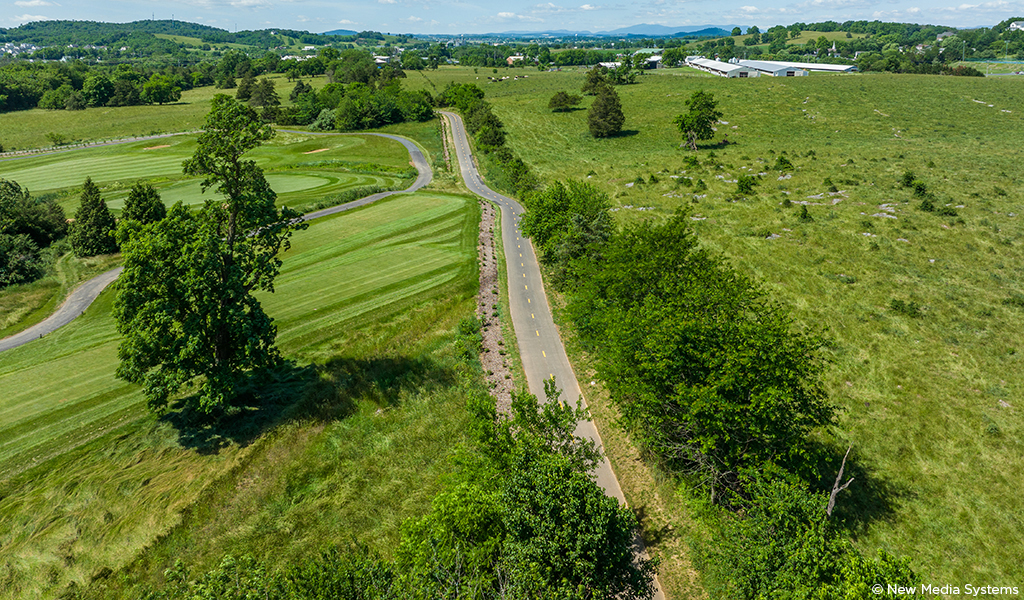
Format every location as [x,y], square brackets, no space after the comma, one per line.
[264,94]
[245,87]
[596,77]
[605,117]
[92,232]
[143,205]
[300,88]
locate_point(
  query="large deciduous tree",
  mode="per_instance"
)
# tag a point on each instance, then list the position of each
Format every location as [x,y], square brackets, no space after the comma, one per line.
[184,304]
[699,122]
[92,232]
[605,117]
[161,89]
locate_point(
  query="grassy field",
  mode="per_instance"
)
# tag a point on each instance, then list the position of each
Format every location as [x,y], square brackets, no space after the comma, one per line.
[930,398]
[89,478]
[27,129]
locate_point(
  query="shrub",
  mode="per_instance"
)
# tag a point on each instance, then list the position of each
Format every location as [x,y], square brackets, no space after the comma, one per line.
[784,545]
[782,164]
[745,185]
[919,187]
[805,217]
[909,308]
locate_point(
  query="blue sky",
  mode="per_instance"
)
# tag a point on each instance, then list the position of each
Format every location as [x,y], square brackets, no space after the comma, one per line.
[469,16]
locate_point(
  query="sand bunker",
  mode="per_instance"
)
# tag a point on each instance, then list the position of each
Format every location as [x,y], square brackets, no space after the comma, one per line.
[157,147]
[315,151]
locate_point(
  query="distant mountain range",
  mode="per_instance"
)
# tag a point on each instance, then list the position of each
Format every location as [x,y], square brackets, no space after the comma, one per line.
[642,30]
[340,32]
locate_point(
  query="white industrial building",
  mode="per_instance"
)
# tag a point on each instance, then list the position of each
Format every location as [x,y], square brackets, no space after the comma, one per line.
[773,69]
[818,67]
[722,69]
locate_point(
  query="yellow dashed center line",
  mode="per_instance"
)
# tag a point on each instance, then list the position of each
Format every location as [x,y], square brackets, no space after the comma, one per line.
[544,353]
[532,316]
[538,333]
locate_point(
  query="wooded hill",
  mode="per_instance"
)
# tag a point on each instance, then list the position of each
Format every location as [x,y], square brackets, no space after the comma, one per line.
[83,33]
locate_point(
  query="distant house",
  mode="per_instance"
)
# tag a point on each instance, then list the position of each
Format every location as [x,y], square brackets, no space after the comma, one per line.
[654,62]
[944,35]
[610,65]
[381,60]
[513,59]
[1017,26]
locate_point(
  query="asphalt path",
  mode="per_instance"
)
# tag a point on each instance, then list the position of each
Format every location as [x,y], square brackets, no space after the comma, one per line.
[84,295]
[540,344]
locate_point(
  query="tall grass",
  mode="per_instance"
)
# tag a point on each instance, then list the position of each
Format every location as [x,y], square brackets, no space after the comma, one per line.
[348,447]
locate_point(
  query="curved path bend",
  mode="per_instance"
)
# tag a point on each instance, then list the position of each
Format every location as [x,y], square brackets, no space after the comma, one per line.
[540,344]
[84,295]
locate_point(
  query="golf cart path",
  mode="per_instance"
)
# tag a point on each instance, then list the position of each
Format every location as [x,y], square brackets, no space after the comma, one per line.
[84,295]
[540,344]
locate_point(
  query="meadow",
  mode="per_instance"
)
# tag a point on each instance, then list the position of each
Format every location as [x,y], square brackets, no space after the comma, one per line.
[345,446]
[923,310]
[28,129]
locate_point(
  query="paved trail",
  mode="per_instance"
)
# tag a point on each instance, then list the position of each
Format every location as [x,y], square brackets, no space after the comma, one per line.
[85,294]
[540,345]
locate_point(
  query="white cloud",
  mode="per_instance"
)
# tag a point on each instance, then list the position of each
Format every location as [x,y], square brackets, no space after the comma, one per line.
[347,22]
[28,18]
[31,3]
[506,16]
[251,3]
[387,1]
[412,19]
[588,7]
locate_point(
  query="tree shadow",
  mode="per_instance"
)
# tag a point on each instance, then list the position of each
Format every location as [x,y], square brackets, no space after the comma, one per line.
[652,536]
[626,133]
[870,498]
[290,392]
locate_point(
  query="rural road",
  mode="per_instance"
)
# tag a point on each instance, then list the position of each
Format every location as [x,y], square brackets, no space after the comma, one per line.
[540,344]
[84,295]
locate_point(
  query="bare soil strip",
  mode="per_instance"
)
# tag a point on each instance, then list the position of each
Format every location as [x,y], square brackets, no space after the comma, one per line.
[315,151]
